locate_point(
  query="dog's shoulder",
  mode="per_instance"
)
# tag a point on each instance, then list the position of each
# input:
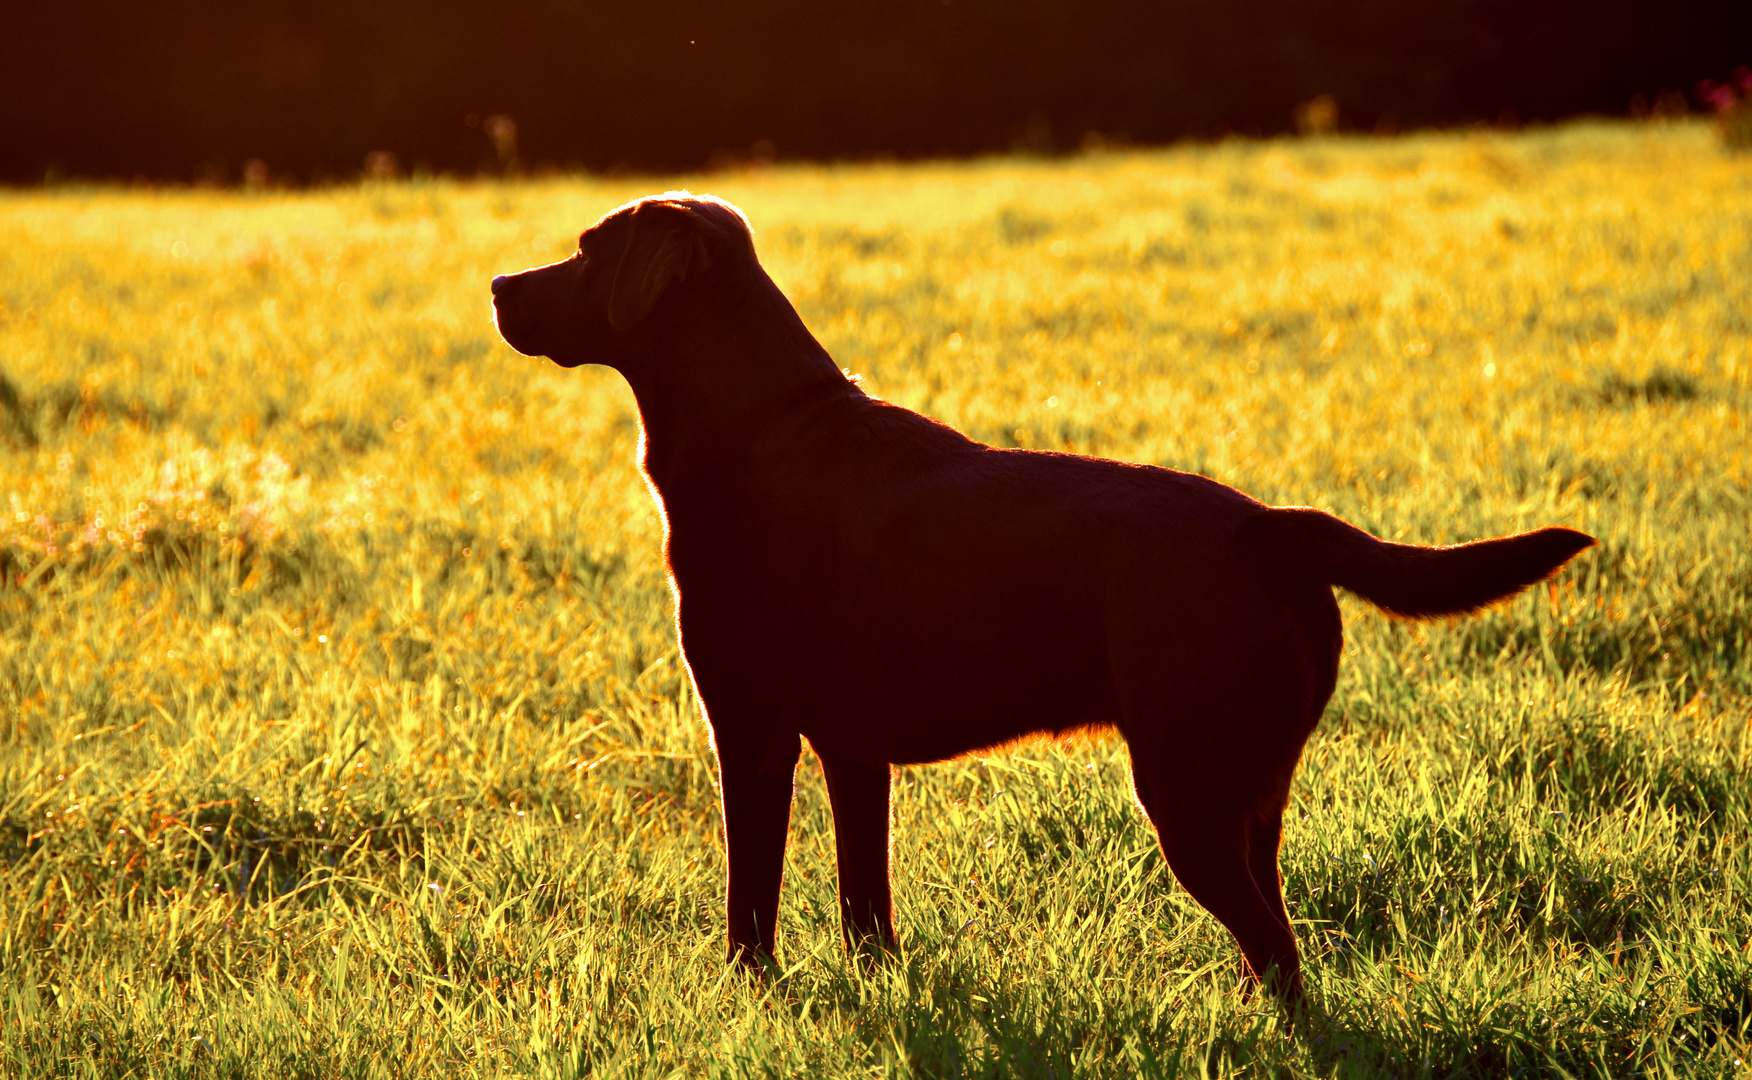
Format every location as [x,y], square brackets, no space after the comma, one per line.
[862,432]
[884,423]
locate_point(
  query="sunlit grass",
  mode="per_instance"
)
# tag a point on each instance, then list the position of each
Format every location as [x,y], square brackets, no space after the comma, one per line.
[342,731]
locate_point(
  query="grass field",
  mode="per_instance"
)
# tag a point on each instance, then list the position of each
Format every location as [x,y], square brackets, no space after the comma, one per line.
[342,732]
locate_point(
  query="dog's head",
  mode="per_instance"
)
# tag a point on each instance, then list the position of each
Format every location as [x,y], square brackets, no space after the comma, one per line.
[584,309]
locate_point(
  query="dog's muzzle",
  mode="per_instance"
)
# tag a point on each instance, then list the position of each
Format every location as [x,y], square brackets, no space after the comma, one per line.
[533,310]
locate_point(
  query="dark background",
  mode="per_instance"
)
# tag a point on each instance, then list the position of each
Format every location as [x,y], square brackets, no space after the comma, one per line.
[194,90]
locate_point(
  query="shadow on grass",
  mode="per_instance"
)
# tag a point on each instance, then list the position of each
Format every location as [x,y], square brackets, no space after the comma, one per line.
[953,1017]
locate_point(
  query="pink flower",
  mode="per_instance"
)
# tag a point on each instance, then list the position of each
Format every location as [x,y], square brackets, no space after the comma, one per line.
[1718,96]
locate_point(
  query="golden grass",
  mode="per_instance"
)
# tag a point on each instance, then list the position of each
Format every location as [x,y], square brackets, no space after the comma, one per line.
[316,597]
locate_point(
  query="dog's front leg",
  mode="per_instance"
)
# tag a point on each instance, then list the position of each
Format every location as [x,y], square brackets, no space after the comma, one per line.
[755,778]
[859,792]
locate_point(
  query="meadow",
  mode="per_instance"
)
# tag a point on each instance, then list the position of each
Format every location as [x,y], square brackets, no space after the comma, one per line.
[342,728]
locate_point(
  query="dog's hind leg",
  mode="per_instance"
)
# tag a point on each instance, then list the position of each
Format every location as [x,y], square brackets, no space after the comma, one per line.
[1216,711]
[859,792]
[1264,832]
[756,784]
[1215,816]
[1210,856]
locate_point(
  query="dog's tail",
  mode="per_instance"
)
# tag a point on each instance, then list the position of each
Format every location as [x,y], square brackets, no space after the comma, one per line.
[1406,579]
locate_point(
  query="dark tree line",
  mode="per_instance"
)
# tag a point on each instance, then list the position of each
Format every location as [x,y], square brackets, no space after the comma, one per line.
[107,88]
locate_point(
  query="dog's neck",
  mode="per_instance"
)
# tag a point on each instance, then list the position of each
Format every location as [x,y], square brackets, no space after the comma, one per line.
[726,364]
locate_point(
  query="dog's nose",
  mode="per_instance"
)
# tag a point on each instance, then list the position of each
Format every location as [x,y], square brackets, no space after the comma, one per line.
[499,282]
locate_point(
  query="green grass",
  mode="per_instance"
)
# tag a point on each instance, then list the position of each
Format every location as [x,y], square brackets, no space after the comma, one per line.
[342,731]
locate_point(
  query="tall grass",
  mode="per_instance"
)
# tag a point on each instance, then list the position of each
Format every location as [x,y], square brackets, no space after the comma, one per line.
[342,731]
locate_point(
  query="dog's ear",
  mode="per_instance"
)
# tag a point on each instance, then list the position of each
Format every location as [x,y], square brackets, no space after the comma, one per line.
[664,246]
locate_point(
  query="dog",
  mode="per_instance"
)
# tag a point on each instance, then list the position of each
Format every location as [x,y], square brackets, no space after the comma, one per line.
[850,572]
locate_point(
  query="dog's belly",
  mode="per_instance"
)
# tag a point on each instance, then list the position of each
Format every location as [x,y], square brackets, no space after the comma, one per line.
[910,668]
[926,695]
[933,698]
[979,666]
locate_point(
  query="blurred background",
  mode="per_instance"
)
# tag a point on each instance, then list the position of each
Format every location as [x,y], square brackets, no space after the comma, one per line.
[294,92]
